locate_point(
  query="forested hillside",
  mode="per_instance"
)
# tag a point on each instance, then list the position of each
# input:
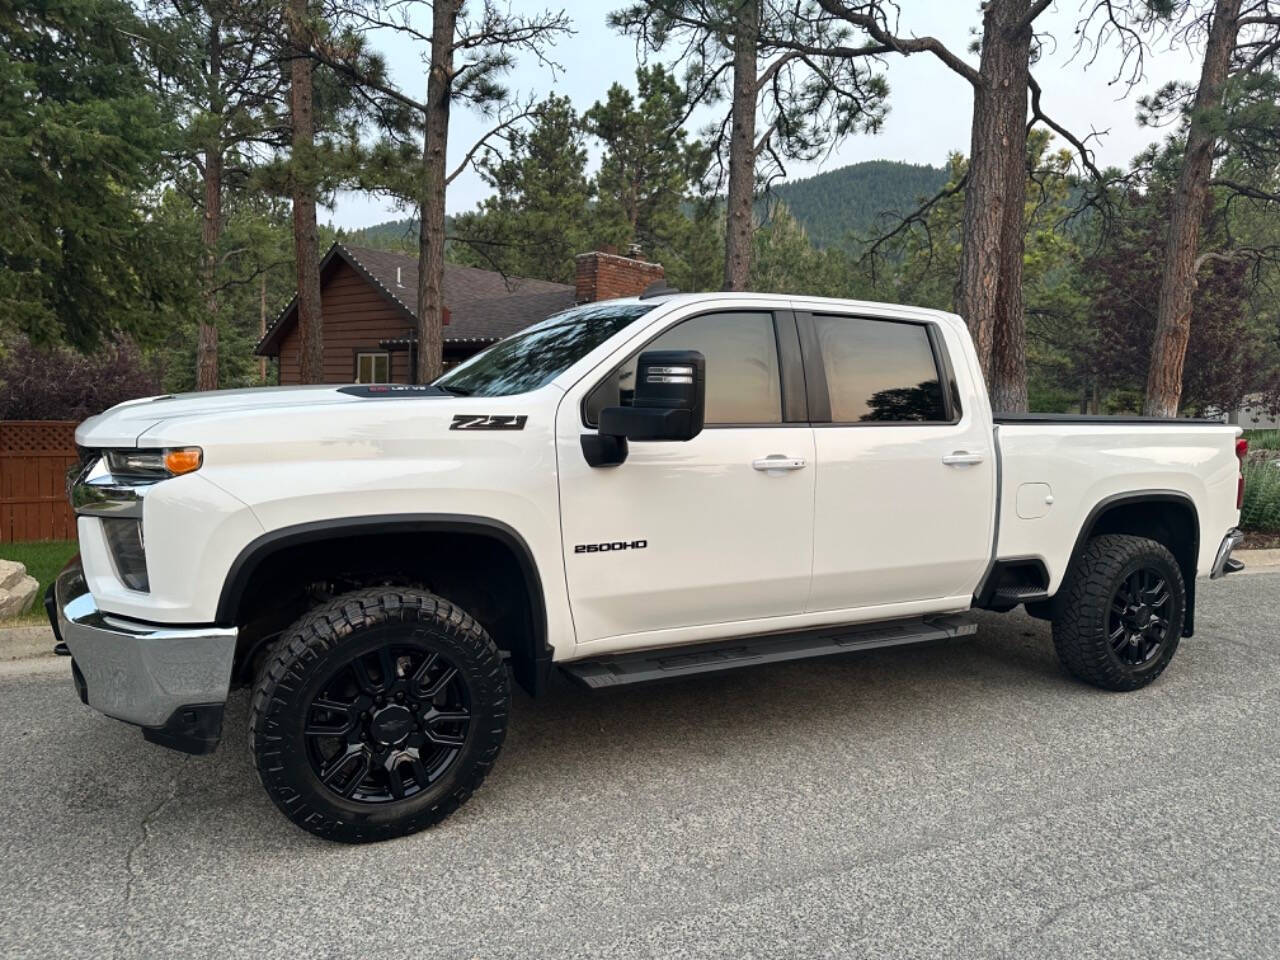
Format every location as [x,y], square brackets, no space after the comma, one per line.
[836,205]
[400,236]
[832,207]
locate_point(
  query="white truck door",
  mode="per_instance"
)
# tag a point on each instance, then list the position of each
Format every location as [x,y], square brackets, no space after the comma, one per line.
[704,532]
[904,503]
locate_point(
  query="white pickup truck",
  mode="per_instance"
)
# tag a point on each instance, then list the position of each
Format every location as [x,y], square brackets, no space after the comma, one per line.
[631,490]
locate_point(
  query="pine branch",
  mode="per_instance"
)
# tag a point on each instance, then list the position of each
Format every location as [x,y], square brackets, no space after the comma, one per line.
[917,217]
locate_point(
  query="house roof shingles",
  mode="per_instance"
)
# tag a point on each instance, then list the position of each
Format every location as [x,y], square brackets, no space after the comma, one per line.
[483,305]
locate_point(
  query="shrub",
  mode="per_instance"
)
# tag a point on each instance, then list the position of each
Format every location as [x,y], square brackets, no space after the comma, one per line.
[60,384]
[1261,511]
[1263,439]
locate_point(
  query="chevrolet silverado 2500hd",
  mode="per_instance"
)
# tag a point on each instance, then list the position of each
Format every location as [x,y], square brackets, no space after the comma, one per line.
[637,489]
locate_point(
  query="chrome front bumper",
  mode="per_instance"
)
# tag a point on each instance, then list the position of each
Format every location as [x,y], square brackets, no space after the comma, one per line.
[1233,539]
[164,679]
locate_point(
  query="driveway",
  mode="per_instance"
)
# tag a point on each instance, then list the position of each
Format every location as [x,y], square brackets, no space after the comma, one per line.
[957,800]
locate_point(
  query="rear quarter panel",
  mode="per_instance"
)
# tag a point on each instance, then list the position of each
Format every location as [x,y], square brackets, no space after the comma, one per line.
[1085,464]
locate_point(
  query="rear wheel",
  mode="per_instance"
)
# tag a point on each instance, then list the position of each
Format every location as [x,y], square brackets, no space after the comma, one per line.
[1118,616]
[378,714]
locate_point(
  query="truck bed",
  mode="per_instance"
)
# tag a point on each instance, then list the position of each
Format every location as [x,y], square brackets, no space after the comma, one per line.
[1057,470]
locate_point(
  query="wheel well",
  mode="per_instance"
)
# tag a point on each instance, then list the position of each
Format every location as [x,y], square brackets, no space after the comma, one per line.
[485,570]
[1167,518]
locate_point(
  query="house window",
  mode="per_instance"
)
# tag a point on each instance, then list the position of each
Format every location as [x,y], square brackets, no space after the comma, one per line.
[373,367]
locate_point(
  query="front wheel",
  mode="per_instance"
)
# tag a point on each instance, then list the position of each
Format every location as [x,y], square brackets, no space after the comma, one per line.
[1118,617]
[378,714]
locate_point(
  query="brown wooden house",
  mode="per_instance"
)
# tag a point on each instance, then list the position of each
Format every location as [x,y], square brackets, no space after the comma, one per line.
[369,301]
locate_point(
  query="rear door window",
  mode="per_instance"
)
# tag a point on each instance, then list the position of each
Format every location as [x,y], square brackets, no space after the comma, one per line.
[879,371]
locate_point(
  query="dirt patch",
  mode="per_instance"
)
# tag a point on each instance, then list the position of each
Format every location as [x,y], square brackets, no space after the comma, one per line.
[1260,541]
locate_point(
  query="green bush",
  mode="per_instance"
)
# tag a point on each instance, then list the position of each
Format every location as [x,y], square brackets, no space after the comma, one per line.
[1261,511]
[1263,439]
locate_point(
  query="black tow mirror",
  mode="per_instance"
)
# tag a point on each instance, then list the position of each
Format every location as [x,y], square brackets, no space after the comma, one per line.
[669,403]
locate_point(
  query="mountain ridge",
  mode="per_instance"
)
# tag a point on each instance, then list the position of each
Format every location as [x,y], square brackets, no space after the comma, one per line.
[833,207]
[838,205]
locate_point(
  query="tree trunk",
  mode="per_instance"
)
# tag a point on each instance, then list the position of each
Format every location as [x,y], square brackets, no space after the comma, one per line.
[435,145]
[262,326]
[1178,280]
[742,150]
[1009,333]
[303,180]
[211,227]
[990,294]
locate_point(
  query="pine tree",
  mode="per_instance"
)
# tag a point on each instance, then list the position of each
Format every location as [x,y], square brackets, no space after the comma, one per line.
[219,62]
[81,135]
[539,216]
[648,164]
[783,104]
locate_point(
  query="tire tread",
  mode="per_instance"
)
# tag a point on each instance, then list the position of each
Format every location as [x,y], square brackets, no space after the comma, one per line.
[1082,604]
[327,626]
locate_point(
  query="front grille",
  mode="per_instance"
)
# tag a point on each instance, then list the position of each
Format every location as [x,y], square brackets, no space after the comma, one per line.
[88,457]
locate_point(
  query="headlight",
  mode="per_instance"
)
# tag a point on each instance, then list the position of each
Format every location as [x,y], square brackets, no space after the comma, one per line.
[154,464]
[113,488]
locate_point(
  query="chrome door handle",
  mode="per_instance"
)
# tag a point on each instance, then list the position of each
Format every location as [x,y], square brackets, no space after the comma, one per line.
[962,458]
[776,461]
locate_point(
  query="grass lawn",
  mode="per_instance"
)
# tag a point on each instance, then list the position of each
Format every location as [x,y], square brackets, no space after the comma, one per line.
[43,559]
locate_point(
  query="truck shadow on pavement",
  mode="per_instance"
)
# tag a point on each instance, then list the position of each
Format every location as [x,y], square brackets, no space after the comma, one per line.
[655,744]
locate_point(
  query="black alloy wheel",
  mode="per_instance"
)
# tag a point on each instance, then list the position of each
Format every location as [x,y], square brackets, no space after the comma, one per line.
[378,713]
[387,724]
[1138,627]
[1118,615]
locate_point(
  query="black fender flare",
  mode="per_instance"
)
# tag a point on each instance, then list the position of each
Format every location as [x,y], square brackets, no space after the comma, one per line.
[1132,497]
[242,569]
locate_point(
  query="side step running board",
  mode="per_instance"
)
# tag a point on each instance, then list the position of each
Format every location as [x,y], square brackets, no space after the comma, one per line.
[771,648]
[1016,595]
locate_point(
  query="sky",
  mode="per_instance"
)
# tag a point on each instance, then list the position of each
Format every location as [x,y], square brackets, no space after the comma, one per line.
[930,107]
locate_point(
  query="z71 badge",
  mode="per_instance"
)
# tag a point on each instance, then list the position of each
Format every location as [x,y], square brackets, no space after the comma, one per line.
[480,421]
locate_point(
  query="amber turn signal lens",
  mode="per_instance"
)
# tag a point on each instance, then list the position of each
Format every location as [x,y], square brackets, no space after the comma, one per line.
[183,460]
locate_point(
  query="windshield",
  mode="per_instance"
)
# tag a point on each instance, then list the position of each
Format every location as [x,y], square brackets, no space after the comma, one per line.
[534,357]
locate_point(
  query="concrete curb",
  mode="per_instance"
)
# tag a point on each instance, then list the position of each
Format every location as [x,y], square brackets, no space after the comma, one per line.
[24,643]
[1258,558]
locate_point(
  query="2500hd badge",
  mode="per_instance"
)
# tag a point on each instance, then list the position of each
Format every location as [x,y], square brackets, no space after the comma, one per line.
[610,546]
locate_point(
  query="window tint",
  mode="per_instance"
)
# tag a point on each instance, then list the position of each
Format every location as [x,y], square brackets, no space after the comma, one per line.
[742,368]
[879,371]
[536,356]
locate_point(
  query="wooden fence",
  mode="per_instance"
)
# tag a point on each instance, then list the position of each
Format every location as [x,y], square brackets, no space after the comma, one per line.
[35,456]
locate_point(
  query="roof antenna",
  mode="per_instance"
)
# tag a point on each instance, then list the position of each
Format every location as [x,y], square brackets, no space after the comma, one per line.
[658,288]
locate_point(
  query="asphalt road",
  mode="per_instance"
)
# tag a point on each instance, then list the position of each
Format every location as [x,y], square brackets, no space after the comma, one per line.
[960,800]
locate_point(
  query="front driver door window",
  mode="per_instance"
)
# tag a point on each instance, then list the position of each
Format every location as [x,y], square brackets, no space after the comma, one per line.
[690,539]
[743,383]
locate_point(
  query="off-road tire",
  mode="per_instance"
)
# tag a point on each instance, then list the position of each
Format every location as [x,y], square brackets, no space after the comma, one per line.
[315,646]
[1083,605]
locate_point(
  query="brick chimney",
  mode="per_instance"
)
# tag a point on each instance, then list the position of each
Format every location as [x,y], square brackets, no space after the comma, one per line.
[604,276]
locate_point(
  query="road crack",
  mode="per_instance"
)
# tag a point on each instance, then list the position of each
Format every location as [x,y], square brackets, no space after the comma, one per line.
[133,869]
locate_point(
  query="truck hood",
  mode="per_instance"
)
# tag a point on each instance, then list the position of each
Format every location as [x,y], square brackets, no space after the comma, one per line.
[123,424]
